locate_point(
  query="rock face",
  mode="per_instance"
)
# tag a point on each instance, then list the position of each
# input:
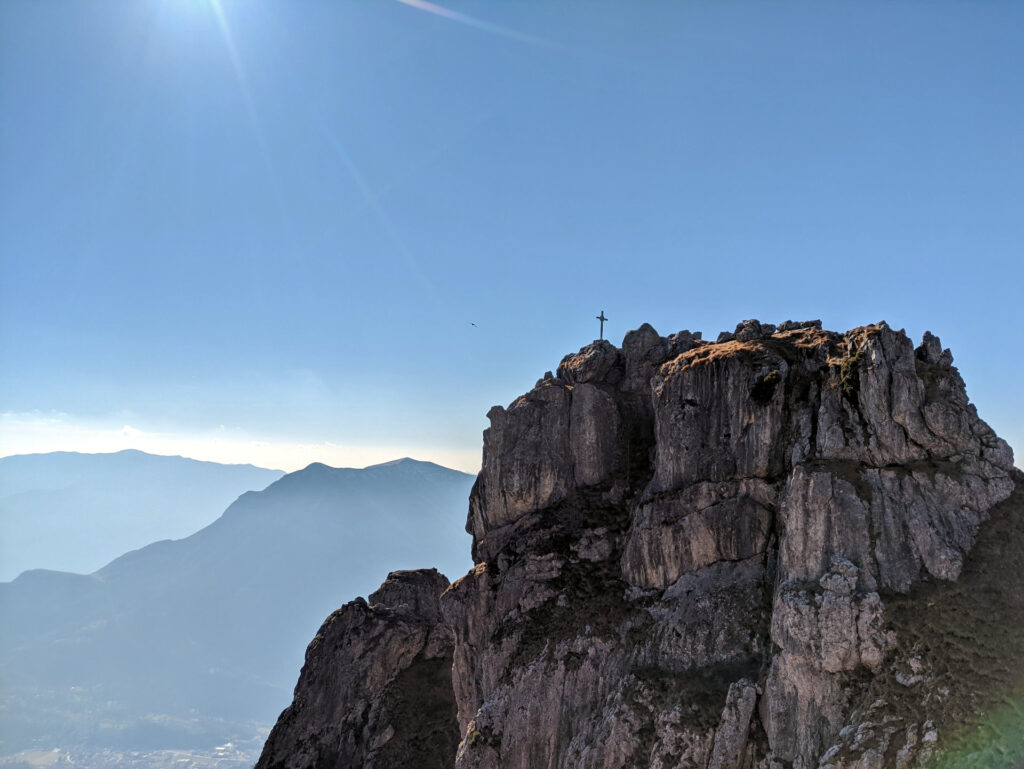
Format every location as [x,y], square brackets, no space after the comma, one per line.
[376,687]
[694,554]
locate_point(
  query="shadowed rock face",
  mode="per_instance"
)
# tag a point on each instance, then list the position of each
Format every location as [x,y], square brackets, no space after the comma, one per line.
[694,554]
[376,688]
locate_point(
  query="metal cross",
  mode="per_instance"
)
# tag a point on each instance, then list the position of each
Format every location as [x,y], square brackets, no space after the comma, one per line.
[602,318]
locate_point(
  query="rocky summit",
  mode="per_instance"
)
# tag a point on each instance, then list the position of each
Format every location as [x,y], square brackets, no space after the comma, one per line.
[789,548]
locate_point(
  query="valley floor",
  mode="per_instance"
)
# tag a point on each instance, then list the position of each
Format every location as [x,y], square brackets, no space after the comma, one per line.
[228,756]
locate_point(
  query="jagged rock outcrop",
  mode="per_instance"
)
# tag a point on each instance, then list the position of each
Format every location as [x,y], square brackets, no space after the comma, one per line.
[375,691]
[656,524]
[696,554]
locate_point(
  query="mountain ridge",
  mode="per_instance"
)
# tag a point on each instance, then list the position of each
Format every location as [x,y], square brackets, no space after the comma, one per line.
[136,453]
[72,511]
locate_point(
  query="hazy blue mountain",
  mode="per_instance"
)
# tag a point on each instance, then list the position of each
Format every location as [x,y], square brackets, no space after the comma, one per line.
[76,512]
[192,642]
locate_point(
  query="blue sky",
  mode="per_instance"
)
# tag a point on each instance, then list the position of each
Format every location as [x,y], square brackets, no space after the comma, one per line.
[259,231]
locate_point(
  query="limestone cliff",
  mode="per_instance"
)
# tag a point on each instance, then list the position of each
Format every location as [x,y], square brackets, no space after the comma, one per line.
[787,548]
[375,691]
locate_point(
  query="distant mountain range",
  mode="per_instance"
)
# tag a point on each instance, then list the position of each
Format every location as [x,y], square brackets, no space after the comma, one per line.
[193,642]
[77,512]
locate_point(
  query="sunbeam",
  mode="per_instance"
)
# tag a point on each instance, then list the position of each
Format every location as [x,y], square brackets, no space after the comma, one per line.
[371,200]
[250,104]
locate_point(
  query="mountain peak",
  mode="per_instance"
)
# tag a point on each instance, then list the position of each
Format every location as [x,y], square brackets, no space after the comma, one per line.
[397,462]
[400,465]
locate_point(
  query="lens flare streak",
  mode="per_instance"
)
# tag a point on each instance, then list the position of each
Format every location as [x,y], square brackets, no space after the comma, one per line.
[472,21]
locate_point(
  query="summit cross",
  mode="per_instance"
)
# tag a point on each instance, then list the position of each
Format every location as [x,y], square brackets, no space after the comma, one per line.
[602,318]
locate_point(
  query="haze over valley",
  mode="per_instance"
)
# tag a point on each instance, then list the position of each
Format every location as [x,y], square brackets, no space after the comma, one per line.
[193,643]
